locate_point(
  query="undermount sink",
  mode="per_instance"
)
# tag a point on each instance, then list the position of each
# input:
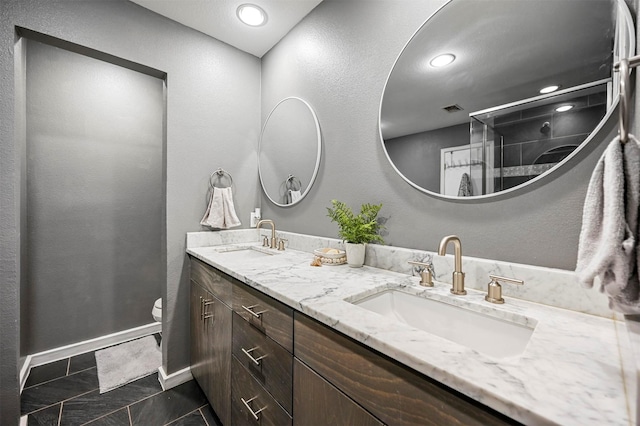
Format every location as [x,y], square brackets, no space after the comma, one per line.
[486,334]
[248,252]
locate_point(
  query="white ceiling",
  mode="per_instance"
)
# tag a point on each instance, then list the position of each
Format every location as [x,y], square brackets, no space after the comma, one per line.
[218,19]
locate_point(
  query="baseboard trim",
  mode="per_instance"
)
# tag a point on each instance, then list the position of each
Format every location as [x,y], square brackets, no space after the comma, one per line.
[74,349]
[24,421]
[168,381]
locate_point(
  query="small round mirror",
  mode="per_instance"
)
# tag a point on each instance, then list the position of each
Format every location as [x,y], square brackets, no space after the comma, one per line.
[289,152]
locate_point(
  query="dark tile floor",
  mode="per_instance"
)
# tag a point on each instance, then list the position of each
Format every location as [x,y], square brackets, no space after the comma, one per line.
[66,392]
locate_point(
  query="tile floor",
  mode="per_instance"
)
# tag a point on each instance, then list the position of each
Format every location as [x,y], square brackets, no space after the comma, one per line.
[66,392]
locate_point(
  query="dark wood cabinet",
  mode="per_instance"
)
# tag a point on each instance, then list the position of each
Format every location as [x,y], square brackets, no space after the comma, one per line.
[318,402]
[390,391]
[211,327]
[243,344]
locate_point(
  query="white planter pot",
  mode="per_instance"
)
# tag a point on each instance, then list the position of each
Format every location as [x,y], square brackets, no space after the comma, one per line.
[355,254]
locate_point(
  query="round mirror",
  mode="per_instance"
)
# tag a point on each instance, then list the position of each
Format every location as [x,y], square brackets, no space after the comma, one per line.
[289,152]
[490,95]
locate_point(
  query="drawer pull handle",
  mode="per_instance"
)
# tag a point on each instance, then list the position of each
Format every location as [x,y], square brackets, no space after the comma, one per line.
[253,413]
[252,312]
[203,308]
[256,361]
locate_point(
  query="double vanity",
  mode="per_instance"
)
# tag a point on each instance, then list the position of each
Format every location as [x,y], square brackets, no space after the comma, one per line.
[308,343]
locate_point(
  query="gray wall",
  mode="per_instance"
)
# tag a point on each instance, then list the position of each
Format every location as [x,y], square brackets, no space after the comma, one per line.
[338,60]
[417,156]
[213,120]
[94,202]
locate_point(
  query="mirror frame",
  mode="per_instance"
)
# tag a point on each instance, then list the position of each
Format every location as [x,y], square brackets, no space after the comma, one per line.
[318,152]
[629,33]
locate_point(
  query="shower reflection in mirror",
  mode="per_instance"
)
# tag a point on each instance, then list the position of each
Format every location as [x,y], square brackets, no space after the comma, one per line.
[506,145]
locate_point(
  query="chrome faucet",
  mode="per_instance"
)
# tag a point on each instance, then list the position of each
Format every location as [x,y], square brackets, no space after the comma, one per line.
[458,275]
[273,230]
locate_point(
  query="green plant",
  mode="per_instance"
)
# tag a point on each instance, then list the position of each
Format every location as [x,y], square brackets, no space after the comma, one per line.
[360,228]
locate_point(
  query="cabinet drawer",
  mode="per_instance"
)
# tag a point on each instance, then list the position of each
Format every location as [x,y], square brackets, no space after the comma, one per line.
[213,281]
[273,364]
[247,394]
[316,401]
[392,392]
[266,314]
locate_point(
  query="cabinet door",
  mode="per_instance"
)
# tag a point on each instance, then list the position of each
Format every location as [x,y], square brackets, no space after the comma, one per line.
[211,349]
[218,330]
[392,392]
[317,402]
[200,360]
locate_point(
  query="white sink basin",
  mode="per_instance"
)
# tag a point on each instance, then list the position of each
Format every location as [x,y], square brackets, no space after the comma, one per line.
[486,334]
[248,252]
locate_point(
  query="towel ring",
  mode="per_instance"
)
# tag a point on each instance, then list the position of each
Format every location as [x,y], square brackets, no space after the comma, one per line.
[217,176]
[624,100]
[291,181]
[623,67]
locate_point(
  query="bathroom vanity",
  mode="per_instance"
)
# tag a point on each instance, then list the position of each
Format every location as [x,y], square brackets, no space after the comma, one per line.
[293,344]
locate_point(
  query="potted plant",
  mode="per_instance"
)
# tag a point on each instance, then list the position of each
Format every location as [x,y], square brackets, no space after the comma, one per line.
[356,230]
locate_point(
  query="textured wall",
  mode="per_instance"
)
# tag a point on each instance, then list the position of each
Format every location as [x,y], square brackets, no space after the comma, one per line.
[338,60]
[94,198]
[213,120]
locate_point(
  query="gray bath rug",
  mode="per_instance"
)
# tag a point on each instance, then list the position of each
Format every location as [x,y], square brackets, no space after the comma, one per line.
[124,363]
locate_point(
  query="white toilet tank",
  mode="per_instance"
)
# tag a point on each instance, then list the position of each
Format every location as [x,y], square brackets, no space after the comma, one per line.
[156,312]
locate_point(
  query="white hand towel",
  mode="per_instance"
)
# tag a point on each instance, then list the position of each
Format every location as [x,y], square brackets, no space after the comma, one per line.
[608,240]
[230,216]
[221,212]
[294,196]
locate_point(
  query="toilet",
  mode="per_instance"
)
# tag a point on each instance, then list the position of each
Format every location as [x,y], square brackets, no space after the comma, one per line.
[156,312]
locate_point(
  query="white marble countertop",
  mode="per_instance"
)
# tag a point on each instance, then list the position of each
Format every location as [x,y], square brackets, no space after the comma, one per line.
[570,373]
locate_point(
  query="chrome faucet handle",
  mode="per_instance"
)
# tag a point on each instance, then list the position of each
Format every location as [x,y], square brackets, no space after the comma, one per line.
[426,273]
[494,289]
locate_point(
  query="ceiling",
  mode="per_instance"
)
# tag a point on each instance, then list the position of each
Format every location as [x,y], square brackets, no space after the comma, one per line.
[505,51]
[217,18]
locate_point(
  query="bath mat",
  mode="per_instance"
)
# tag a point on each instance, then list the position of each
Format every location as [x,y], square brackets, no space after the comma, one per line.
[124,363]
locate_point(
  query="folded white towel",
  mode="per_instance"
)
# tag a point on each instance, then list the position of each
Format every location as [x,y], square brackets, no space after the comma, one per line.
[294,196]
[221,212]
[608,240]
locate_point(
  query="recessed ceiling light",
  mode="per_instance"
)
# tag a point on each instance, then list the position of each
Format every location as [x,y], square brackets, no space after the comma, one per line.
[549,89]
[564,108]
[442,60]
[251,15]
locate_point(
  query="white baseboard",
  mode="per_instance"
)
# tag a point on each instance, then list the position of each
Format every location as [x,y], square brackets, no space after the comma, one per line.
[174,379]
[23,421]
[85,346]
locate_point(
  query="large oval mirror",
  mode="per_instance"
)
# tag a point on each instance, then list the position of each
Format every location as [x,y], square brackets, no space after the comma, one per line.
[289,152]
[524,86]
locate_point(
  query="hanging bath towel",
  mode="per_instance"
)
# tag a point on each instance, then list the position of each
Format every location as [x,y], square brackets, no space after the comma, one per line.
[220,212]
[465,189]
[608,240]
